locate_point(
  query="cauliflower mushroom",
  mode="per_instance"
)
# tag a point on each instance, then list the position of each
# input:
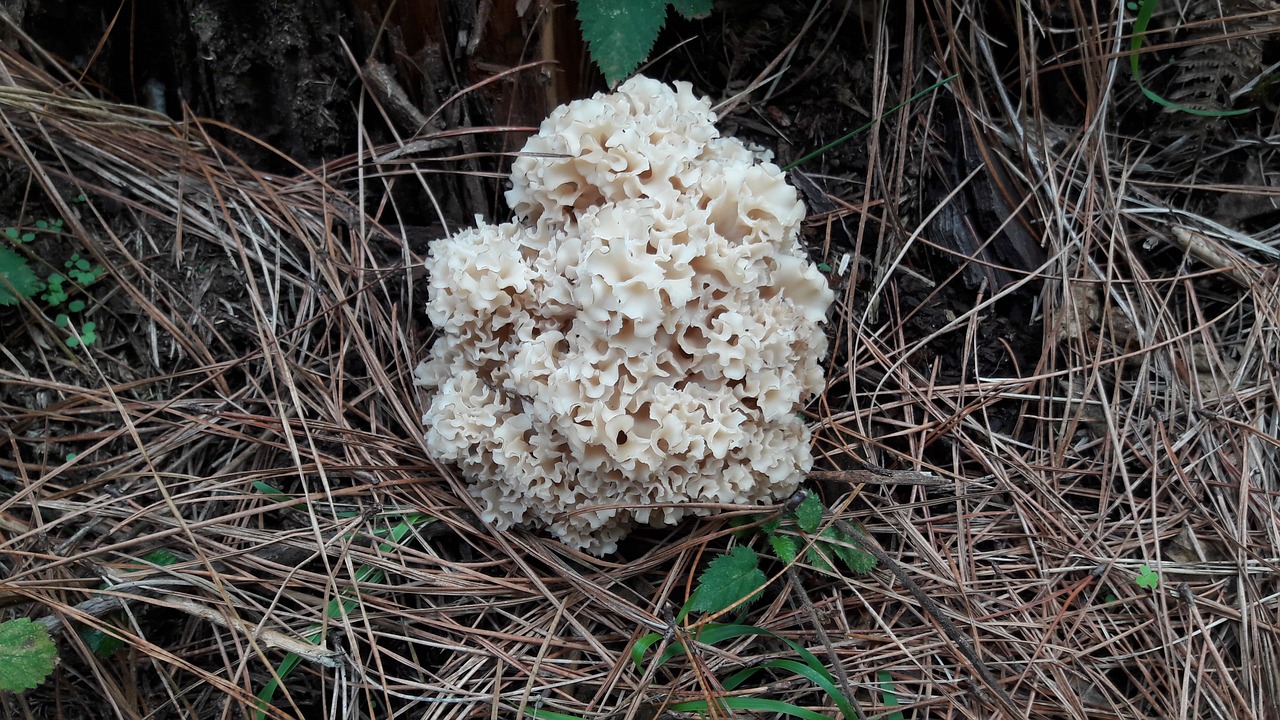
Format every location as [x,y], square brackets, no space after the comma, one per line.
[640,338]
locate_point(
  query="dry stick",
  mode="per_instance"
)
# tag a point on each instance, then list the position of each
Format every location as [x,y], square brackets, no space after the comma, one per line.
[933,610]
[821,632]
[878,476]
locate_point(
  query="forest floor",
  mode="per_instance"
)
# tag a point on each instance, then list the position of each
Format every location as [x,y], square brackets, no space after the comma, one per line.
[1057,295]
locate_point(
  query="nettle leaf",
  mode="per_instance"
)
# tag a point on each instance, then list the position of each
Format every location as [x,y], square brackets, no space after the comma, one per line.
[817,555]
[18,277]
[27,655]
[620,33]
[692,9]
[844,547]
[728,579]
[809,514]
[784,546]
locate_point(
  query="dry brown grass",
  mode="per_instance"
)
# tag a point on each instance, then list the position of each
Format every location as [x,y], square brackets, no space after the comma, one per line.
[262,329]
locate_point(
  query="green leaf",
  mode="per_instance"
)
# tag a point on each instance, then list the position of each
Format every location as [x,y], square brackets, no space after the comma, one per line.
[817,556]
[715,633]
[620,33]
[728,579]
[642,646]
[551,715]
[100,643]
[809,514]
[846,549]
[887,694]
[271,492]
[816,675]
[160,558]
[1147,578]
[692,9]
[784,546]
[751,704]
[17,279]
[27,655]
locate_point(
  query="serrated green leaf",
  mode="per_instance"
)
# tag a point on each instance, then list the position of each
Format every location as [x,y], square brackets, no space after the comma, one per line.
[19,280]
[845,548]
[809,514]
[692,9]
[817,558]
[728,579]
[784,546]
[27,655]
[620,33]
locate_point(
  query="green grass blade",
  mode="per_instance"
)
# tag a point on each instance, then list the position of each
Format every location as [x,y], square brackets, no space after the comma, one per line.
[714,633]
[642,646]
[750,705]
[337,608]
[888,696]
[271,492]
[550,714]
[821,679]
[846,138]
[1147,8]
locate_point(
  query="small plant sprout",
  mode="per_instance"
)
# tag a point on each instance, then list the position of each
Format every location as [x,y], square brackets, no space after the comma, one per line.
[82,271]
[17,236]
[735,580]
[1147,578]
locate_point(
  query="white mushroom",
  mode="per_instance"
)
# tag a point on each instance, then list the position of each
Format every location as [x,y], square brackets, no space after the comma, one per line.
[640,338]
